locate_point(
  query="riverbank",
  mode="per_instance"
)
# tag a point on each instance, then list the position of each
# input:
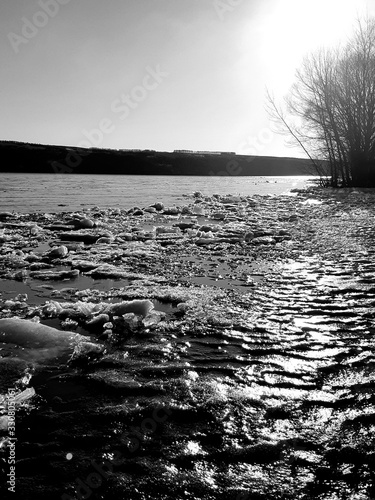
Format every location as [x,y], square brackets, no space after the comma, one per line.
[49,159]
[247,372]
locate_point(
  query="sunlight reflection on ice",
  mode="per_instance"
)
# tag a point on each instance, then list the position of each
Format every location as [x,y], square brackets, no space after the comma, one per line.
[311,201]
[194,448]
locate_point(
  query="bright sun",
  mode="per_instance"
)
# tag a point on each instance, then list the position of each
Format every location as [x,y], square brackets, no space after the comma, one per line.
[297,27]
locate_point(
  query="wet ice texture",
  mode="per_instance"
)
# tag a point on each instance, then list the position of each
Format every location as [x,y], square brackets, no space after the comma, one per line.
[268,390]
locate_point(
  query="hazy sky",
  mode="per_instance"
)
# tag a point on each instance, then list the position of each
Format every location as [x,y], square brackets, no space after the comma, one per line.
[157,74]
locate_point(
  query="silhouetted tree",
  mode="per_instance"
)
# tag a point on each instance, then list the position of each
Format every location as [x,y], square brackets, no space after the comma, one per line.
[332,105]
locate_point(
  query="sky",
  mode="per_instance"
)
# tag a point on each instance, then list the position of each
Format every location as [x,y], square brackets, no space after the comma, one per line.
[158,74]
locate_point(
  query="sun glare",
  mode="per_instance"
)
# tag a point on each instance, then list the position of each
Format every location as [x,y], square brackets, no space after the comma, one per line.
[296,28]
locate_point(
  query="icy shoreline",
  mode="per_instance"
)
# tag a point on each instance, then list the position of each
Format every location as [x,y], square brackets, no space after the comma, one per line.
[257,345]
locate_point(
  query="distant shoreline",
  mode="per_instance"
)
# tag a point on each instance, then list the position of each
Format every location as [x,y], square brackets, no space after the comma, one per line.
[36,158]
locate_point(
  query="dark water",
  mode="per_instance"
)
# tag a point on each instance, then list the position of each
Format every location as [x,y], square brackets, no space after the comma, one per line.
[279,405]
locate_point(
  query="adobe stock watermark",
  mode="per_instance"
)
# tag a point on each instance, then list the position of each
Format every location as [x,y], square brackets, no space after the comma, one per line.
[251,147]
[232,167]
[31,27]
[122,106]
[104,468]
[11,441]
[224,6]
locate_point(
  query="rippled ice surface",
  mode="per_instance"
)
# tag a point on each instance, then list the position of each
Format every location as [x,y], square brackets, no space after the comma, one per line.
[54,193]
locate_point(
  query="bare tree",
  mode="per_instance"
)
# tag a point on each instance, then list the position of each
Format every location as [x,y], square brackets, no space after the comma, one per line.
[333,101]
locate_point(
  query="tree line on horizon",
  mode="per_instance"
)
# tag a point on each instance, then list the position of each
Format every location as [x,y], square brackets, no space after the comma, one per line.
[330,110]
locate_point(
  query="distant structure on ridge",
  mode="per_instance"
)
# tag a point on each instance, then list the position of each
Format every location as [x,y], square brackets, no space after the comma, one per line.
[190,152]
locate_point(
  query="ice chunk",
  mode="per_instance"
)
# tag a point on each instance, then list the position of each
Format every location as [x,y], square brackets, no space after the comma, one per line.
[131,321]
[86,350]
[88,308]
[139,307]
[37,342]
[152,319]
[98,321]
